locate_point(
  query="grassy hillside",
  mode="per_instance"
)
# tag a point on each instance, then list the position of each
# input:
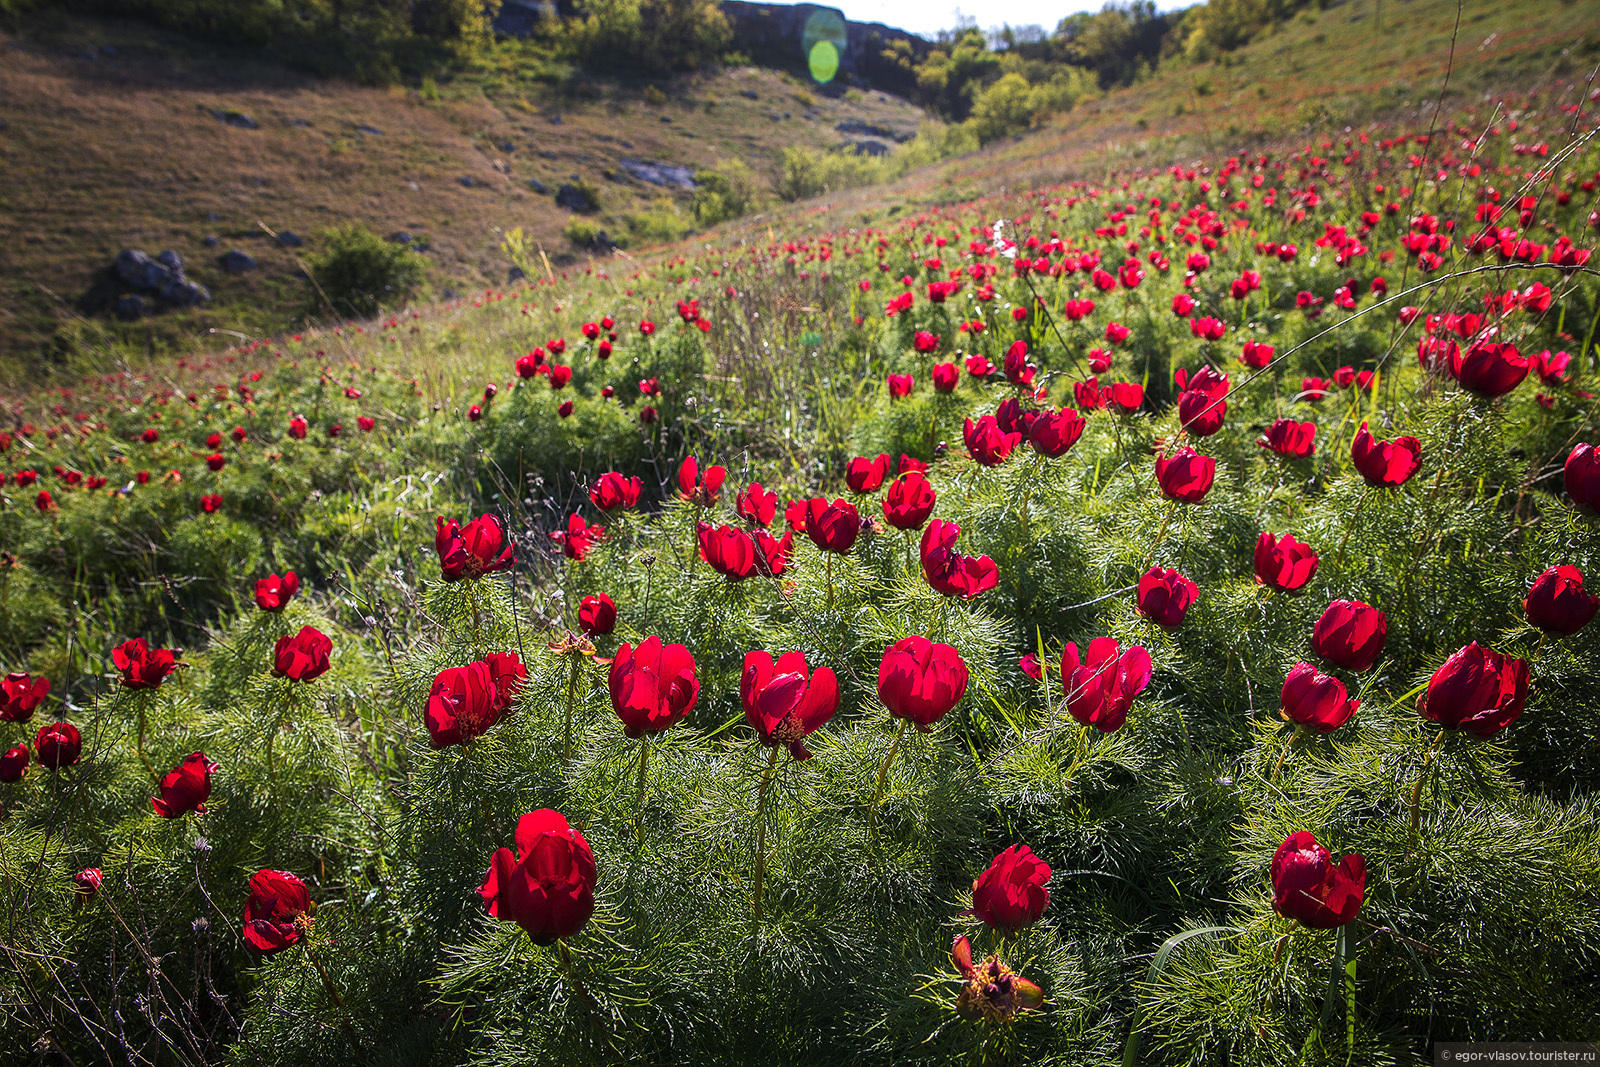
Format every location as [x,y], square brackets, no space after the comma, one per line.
[123,150]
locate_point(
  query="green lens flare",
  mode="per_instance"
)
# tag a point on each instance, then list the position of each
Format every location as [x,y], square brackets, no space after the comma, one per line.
[824,61]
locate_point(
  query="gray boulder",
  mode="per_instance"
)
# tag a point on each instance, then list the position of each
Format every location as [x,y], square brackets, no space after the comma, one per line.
[171,260]
[129,306]
[402,237]
[662,174]
[538,186]
[290,239]
[185,293]
[236,262]
[138,271]
[573,199]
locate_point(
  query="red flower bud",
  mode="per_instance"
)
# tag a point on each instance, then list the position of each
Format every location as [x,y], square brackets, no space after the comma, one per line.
[185,787]
[1165,597]
[58,744]
[303,657]
[945,377]
[1385,464]
[1350,634]
[909,501]
[1581,477]
[832,527]
[1316,700]
[1011,894]
[1286,565]
[1558,602]
[597,615]
[1185,476]
[273,592]
[14,764]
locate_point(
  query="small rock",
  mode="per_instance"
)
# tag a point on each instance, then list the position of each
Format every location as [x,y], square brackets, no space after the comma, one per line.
[212,216]
[507,146]
[573,199]
[185,293]
[299,122]
[538,186]
[449,294]
[139,271]
[785,114]
[548,154]
[666,118]
[171,260]
[290,239]
[373,130]
[626,144]
[555,120]
[515,275]
[238,119]
[749,94]
[402,237]
[212,240]
[236,262]
[129,306]
[414,187]
[466,182]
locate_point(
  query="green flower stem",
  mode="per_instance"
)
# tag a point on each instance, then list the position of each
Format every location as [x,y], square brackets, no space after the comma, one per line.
[829,566]
[1166,520]
[1350,525]
[883,772]
[139,742]
[477,620]
[638,805]
[1299,732]
[572,698]
[761,828]
[1416,791]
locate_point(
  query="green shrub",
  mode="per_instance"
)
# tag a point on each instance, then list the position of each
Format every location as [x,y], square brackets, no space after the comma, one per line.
[359,273]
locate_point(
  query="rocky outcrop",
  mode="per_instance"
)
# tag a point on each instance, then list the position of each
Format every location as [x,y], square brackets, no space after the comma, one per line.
[136,284]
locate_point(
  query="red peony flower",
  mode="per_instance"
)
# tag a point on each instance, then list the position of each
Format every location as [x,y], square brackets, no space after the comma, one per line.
[1289,438]
[279,912]
[909,501]
[1286,565]
[1315,700]
[1558,602]
[1477,690]
[920,680]
[273,592]
[1385,464]
[692,487]
[1185,476]
[143,667]
[20,694]
[786,701]
[1011,894]
[547,886]
[597,615]
[832,527]
[756,506]
[612,490]
[473,551]
[1350,634]
[1100,689]
[58,744]
[729,551]
[1581,477]
[948,571]
[1165,597]
[652,686]
[303,657]
[945,377]
[1307,887]
[185,787]
[864,475]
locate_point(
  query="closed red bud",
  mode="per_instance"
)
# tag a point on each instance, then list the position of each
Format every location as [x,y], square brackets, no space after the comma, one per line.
[546,886]
[1350,634]
[1477,690]
[1200,413]
[1315,700]
[88,882]
[597,615]
[1488,369]
[729,551]
[1581,477]
[945,377]
[1289,438]
[832,527]
[303,657]
[920,680]
[273,592]
[1385,464]
[185,788]
[1309,888]
[901,385]
[1185,476]
[58,745]
[784,701]
[652,686]
[1165,597]
[1011,894]
[1101,687]
[143,667]
[14,764]
[1558,602]
[1053,433]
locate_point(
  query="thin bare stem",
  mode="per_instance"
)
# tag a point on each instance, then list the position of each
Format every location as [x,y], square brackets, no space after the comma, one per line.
[883,772]
[761,828]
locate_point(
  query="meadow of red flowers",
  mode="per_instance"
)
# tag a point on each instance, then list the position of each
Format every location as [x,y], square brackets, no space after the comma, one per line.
[1061,630]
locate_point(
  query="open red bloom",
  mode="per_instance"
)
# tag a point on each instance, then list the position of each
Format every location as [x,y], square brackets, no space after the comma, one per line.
[1385,464]
[278,913]
[1477,690]
[1186,475]
[1315,700]
[303,657]
[1165,597]
[864,475]
[1053,433]
[692,487]
[58,744]
[1100,689]
[1286,565]
[948,571]
[547,887]
[20,694]
[909,501]
[465,702]
[597,615]
[1489,369]
[1307,887]
[185,787]
[756,506]
[785,701]
[478,549]
[772,553]
[1558,602]
[143,667]
[652,686]
[1289,438]
[987,442]
[578,538]
[612,490]
[730,552]
[1011,894]
[1126,397]
[832,527]
[273,592]
[1350,634]
[920,680]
